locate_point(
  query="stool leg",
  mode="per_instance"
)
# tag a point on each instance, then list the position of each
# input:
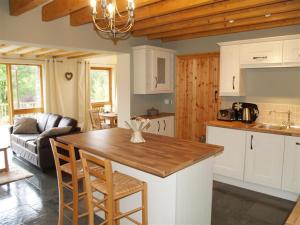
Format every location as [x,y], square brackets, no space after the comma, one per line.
[117,211]
[6,161]
[86,206]
[61,205]
[75,204]
[145,205]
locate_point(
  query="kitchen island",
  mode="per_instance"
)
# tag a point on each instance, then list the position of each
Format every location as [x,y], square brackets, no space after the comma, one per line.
[178,172]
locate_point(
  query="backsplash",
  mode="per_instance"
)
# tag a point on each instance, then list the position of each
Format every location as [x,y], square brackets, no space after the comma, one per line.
[277,113]
[267,114]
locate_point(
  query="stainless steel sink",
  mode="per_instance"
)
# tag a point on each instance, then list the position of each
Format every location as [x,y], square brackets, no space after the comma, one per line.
[272,127]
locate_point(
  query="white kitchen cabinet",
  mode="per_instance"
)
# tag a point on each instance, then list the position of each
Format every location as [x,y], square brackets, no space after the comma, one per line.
[162,126]
[261,53]
[231,79]
[291,51]
[230,163]
[153,70]
[291,165]
[264,159]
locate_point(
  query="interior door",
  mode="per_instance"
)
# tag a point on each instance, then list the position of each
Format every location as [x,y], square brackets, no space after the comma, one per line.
[197,91]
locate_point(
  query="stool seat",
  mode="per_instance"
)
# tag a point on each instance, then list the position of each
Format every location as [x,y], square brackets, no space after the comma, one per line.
[122,185]
[67,168]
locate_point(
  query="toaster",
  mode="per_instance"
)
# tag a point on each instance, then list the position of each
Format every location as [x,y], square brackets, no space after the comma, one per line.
[226,115]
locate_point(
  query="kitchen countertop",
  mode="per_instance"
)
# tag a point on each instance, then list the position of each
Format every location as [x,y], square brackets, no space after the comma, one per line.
[160,115]
[252,127]
[159,155]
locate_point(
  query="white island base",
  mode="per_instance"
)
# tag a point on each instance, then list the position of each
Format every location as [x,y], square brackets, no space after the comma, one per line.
[183,198]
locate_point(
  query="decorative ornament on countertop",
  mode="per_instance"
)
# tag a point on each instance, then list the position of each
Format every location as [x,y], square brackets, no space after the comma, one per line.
[111,24]
[137,125]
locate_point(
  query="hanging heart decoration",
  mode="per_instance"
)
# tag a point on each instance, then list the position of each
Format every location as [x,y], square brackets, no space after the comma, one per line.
[68,75]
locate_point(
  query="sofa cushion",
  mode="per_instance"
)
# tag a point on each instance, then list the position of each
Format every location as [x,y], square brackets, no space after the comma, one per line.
[25,125]
[42,121]
[67,121]
[53,121]
[55,131]
[25,140]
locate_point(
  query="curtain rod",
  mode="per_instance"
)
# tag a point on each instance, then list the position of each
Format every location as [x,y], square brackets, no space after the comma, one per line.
[43,60]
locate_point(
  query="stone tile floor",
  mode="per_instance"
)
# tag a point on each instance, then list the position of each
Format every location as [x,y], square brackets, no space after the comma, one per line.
[34,201]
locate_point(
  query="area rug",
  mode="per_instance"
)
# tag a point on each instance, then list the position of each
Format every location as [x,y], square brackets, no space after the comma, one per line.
[15,173]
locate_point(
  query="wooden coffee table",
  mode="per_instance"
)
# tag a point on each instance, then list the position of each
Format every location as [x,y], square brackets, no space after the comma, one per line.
[6,168]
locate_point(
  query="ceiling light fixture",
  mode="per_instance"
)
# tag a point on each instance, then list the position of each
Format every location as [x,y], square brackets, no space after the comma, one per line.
[231,21]
[111,24]
[268,15]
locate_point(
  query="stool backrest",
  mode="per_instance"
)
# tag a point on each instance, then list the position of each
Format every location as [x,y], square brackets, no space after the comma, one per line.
[95,118]
[64,154]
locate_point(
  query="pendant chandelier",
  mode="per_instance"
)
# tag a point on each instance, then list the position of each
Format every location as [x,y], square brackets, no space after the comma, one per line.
[110,23]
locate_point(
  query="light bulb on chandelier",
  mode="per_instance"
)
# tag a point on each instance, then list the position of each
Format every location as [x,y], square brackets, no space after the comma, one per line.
[110,23]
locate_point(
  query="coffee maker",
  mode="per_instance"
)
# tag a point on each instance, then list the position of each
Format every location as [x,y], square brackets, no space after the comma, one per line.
[245,112]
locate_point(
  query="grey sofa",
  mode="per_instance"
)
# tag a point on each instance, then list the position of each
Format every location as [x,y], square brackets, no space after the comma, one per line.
[37,150]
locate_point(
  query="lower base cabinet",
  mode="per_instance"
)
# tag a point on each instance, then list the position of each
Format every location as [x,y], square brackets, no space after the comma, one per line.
[264,159]
[162,126]
[291,168]
[231,162]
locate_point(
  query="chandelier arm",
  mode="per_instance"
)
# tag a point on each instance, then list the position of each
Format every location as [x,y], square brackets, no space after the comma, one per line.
[100,28]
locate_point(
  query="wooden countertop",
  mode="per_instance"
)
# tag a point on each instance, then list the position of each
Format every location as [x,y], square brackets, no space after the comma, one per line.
[160,115]
[159,155]
[252,127]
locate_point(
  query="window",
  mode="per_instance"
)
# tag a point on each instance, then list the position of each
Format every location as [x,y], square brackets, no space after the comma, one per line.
[22,91]
[100,86]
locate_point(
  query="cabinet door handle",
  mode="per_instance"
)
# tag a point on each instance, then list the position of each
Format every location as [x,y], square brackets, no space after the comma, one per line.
[216,96]
[165,125]
[156,81]
[158,126]
[260,57]
[233,82]
[297,143]
[251,143]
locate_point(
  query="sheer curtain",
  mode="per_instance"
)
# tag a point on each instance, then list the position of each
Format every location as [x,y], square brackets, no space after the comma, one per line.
[84,95]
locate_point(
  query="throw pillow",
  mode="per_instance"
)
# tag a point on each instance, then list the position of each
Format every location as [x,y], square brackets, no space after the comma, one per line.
[55,131]
[25,125]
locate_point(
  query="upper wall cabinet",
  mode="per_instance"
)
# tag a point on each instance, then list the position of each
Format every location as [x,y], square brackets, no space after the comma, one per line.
[231,81]
[291,51]
[153,70]
[261,53]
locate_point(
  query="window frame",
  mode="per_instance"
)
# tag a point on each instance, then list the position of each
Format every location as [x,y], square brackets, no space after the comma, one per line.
[12,111]
[101,104]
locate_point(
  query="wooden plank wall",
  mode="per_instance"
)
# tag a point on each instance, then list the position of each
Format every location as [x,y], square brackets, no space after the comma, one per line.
[197,93]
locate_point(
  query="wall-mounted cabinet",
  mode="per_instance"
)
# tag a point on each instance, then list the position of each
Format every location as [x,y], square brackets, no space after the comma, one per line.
[291,51]
[153,70]
[261,53]
[231,79]
[283,51]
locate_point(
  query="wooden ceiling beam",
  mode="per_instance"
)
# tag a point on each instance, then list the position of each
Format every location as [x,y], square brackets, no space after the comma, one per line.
[86,55]
[83,16]
[227,24]
[14,51]
[18,7]
[34,52]
[51,53]
[59,8]
[3,46]
[224,17]
[261,26]
[70,54]
[202,11]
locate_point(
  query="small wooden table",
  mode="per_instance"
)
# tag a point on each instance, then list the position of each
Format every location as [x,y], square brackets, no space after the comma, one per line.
[6,168]
[112,117]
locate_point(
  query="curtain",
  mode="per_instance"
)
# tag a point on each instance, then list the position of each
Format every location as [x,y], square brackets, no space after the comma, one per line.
[84,95]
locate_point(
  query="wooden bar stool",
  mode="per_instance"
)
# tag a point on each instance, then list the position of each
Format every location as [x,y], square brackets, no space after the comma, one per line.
[66,154]
[114,187]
